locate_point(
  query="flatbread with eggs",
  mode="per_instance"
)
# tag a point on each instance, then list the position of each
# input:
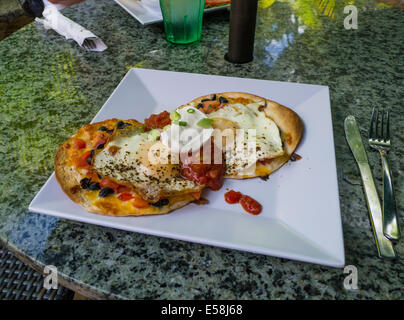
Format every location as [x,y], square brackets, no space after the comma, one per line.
[104,167]
[278,129]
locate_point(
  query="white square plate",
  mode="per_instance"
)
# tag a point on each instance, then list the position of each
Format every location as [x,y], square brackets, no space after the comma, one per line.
[301,214]
[144,15]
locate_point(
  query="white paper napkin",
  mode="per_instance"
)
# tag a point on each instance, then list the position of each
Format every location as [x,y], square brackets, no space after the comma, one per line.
[53,19]
[153,6]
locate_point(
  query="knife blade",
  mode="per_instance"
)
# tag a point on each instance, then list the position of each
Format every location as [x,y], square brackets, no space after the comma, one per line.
[384,246]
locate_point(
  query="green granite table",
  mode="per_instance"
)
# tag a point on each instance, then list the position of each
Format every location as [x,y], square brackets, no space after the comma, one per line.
[49,87]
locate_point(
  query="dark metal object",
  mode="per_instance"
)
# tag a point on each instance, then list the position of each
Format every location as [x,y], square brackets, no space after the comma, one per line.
[89,45]
[380,140]
[20,282]
[243,16]
[384,246]
[33,8]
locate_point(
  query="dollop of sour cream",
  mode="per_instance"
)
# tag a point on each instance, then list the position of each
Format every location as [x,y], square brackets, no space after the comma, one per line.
[188,132]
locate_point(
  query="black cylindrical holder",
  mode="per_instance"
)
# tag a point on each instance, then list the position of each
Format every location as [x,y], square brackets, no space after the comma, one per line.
[33,8]
[243,16]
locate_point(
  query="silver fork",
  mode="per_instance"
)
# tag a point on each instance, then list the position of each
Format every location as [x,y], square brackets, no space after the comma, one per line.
[89,44]
[379,139]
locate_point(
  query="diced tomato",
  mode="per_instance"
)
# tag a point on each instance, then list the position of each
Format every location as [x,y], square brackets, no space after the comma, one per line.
[157,121]
[197,195]
[216,2]
[123,189]
[210,106]
[125,196]
[81,161]
[105,182]
[140,203]
[232,196]
[79,143]
[250,205]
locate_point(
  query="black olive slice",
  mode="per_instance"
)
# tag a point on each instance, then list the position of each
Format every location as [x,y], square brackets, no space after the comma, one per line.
[94,186]
[105,192]
[121,124]
[85,182]
[160,203]
[90,157]
[223,100]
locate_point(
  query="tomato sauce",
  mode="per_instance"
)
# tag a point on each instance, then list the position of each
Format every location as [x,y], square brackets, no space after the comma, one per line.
[232,196]
[210,174]
[157,121]
[249,204]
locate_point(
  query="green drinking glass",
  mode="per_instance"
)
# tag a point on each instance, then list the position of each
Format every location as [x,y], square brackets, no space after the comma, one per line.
[182,20]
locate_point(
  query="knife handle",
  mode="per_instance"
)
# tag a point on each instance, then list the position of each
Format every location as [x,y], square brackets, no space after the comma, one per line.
[384,246]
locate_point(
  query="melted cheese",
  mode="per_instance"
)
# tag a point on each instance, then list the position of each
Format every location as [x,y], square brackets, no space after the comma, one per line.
[262,142]
[132,162]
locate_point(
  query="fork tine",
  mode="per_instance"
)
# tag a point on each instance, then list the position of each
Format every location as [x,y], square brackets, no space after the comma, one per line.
[376,124]
[387,137]
[91,44]
[372,119]
[381,136]
[85,45]
[88,44]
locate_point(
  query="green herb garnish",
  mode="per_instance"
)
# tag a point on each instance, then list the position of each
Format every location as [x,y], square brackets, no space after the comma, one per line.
[154,134]
[181,123]
[205,123]
[191,110]
[174,115]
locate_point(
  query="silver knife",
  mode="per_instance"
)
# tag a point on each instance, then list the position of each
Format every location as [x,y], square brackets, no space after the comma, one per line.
[384,246]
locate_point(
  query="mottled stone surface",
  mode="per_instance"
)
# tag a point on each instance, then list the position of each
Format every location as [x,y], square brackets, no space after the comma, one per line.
[12,17]
[9,10]
[49,87]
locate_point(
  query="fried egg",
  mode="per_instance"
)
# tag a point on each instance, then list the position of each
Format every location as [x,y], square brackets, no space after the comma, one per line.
[138,158]
[256,137]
